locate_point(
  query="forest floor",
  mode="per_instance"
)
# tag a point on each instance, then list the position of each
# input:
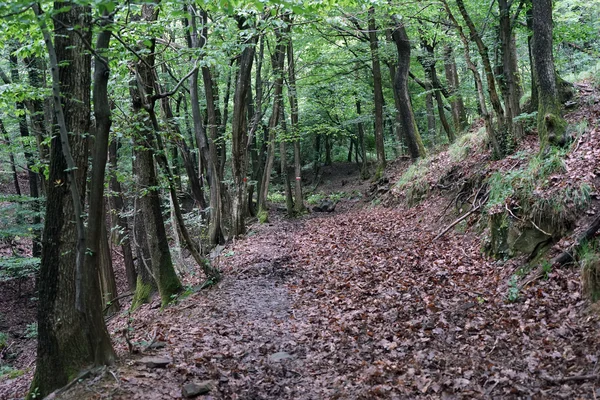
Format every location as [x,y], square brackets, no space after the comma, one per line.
[362,303]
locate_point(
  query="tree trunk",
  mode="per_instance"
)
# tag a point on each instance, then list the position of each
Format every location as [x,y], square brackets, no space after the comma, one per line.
[108,284]
[551,126]
[214,148]
[215,233]
[428,63]
[239,136]
[11,158]
[145,285]
[533,102]
[511,83]
[141,91]
[277,63]
[36,116]
[491,132]
[377,92]
[459,116]
[364,168]
[293,99]
[289,202]
[29,159]
[405,111]
[502,136]
[120,222]
[71,331]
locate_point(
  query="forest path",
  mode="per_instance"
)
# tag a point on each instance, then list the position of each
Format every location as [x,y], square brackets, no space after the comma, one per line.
[363,305]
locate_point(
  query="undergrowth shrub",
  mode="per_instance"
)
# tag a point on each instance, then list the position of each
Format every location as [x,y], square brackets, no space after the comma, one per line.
[524,188]
[413,181]
[466,144]
[276,197]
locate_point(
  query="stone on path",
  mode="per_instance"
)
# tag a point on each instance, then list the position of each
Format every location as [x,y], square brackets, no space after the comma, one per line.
[155,362]
[192,389]
[282,355]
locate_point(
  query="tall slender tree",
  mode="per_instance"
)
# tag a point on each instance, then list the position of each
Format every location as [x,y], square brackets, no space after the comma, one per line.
[551,125]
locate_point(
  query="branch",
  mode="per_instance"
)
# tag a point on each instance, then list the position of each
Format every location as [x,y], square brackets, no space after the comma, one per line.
[174,90]
[135,53]
[17,12]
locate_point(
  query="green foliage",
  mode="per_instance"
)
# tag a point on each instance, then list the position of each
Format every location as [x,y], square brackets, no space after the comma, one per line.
[276,197]
[546,268]
[522,188]
[31,331]
[413,181]
[3,340]
[415,172]
[8,372]
[315,198]
[529,121]
[512,294]
[263,216]
[465,144]
[18,267]
[16,215]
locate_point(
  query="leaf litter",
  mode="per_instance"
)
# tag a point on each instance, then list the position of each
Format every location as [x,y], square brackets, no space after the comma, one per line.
[362,304]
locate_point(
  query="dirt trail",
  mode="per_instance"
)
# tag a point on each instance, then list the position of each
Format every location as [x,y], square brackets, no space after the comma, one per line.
[362,305]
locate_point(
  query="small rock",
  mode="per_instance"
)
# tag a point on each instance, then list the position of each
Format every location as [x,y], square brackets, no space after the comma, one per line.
[190,390]
[282,355]
[155,362]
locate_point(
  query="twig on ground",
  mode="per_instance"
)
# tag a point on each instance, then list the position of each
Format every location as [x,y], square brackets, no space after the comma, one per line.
[117,298]
[576,378]
[152,340]
[540,229]
[472,211]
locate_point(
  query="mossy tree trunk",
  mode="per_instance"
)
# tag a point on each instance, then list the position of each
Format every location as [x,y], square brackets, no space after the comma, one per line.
[143,103]
[405,111]
[551,126]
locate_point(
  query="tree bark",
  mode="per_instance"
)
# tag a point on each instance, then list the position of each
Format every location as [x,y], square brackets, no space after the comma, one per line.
[37,116]
[70,334]
[108,284]
[239,136]
[405,111]
[491,132]
[141,93]
[551,126]
[11,158]
[277,62]
[377,92]
[459,116]
[364,169]
[501,136]
[511,83]
[29,159]
[428,63]
[293,99]
[120,222]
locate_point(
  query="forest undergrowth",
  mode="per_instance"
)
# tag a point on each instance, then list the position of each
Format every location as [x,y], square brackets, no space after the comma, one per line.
[367,303]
